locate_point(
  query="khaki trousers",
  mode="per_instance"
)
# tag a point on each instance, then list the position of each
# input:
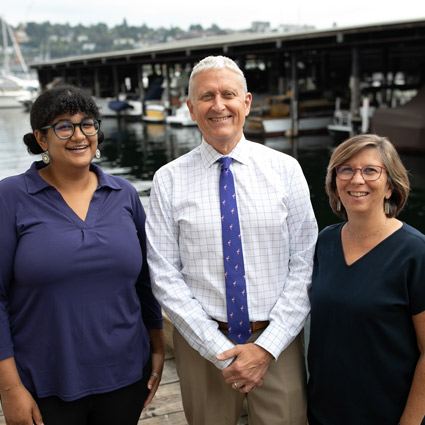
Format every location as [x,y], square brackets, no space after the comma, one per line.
[208,400]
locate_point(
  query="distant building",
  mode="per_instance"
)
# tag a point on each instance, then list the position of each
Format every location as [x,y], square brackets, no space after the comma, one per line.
[259,26]
[82,38]
[88,47]
[141,44]
[124,41]
[66,39]
[294,28]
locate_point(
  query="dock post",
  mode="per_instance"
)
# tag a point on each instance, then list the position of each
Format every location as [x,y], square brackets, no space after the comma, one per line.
[355,92]
[294,96]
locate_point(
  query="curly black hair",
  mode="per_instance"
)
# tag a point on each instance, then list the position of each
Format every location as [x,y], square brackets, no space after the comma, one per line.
[59,100]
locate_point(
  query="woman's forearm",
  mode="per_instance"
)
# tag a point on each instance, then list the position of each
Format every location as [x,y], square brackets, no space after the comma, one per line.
[9,376]
[414,410]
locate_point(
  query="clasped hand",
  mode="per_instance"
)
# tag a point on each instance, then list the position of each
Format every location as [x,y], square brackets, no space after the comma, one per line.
[249,366]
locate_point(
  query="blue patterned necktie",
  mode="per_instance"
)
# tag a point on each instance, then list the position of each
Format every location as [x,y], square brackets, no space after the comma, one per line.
[234,270]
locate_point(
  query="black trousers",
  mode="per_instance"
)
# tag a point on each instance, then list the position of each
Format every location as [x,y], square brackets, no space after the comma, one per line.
[312,419]
[120,407]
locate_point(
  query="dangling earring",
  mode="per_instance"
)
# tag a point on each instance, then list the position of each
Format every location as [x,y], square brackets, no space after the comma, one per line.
[387,207]
[338,205]
[45,157]
[98,154]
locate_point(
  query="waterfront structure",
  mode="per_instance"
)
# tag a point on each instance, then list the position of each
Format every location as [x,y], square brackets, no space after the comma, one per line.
[377,61]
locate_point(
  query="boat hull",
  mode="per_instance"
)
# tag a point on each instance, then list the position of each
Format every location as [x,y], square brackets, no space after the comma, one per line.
[269,127]
[405,125]
[155,113]
[134,109]
[14,98]
[181,117]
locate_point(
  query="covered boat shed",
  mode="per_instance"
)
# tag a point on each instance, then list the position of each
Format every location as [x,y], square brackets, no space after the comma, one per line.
[336,62]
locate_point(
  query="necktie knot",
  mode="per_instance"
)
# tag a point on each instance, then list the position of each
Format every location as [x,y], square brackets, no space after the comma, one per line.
[225,162]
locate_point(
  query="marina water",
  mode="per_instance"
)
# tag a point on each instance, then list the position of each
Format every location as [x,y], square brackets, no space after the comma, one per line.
[135,150]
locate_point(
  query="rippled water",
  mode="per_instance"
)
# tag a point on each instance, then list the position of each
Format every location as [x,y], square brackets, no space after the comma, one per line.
[135,150]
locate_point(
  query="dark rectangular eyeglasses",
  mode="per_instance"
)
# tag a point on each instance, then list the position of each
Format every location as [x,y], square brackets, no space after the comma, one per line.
[65,129]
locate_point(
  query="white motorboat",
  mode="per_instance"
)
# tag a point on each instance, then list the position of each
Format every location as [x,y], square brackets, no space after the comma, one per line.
[16,92]
[181,117]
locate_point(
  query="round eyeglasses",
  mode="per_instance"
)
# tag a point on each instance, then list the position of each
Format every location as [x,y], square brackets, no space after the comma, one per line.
[66,129]
[369,173]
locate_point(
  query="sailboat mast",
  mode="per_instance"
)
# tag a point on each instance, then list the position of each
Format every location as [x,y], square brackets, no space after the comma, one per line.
[6,65]
[17,49]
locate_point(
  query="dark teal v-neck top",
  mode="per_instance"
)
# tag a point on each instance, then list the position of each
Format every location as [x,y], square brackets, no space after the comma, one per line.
[363,349]
[75,296]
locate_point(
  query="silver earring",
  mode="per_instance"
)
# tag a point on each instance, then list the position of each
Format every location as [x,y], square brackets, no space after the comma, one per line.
[98,154]
[45,157]
[338,205]
[387,207]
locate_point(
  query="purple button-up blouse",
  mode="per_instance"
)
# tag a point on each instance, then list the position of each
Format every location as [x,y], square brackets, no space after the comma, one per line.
[75,296]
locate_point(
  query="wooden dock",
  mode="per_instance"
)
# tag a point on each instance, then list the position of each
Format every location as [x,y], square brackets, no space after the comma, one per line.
[166,408]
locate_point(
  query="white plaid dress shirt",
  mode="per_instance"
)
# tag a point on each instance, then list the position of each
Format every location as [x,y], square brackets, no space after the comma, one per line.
[278,230]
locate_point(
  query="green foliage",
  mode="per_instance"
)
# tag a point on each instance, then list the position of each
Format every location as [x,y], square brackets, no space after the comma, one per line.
[51,41]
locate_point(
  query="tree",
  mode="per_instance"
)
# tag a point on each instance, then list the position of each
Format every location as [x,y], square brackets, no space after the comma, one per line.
[196,27]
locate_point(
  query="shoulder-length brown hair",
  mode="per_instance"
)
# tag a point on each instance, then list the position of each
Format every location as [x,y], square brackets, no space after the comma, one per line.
[398,179]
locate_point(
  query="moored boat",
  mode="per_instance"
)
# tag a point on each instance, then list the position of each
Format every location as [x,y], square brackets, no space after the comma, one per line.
[154,112]
[181,117]
[273,118]
[123,106]
[14,94]
[403,125]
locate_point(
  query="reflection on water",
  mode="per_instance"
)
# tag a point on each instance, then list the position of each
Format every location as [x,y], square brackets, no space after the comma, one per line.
[14,158]
[135,150]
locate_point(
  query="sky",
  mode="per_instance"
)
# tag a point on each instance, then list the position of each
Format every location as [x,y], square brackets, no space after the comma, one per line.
[232,14]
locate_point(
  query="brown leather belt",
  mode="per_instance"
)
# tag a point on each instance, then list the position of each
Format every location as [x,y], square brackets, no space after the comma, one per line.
[255,326]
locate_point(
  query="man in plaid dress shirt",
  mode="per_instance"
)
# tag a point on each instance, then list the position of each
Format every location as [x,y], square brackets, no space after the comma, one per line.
[278,233]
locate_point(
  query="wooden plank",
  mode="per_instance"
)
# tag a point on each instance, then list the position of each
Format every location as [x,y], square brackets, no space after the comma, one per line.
[171,419]
[167,400]
[169,374]
[243,420]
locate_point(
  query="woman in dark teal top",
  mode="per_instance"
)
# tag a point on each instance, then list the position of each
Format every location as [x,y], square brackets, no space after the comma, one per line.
[366,353]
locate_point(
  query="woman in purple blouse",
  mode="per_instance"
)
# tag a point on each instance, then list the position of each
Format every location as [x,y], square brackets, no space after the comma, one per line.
[81,339]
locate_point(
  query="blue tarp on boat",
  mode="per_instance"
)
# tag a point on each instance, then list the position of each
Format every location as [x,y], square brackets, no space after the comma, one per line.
[119,105]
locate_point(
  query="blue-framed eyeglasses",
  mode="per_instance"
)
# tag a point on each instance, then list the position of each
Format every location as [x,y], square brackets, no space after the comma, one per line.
[66,129]
[369,173]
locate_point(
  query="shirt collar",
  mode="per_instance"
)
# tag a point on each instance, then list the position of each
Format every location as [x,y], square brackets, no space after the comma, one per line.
[36,184]
[239,153]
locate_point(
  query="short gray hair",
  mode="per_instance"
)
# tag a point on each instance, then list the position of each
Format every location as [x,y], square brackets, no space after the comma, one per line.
[216,62]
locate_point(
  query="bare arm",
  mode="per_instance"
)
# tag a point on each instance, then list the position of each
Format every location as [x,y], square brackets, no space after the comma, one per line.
[414,410]
[158,358]
[19,407]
